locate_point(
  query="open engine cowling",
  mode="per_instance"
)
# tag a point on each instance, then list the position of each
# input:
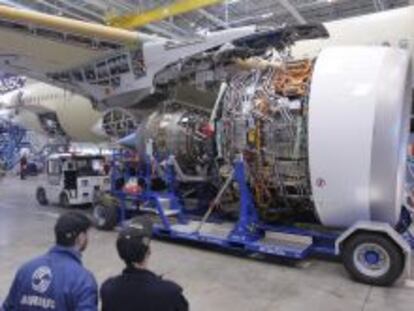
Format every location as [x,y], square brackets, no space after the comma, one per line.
[327,135]
[332,134]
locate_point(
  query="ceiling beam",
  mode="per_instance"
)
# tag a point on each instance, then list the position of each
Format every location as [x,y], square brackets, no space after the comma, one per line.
[119,4]
[70,25]
[98,4]
[59,9]
[14,3]
[162,31]
[176,29]
[157,29]
[213,18]
[68,4]
[293,11]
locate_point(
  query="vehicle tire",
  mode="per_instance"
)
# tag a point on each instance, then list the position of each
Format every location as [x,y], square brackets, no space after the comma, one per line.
[373,258]
[41,196]
[64,200]
[105,217]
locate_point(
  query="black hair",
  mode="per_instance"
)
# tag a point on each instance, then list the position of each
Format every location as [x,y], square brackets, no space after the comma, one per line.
[69,226]
[132,246]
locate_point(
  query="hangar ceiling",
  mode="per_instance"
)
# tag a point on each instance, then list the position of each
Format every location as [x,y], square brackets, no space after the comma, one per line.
[230,13]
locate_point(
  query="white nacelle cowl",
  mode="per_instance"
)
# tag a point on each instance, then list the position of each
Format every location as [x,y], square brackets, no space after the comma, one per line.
[359,111]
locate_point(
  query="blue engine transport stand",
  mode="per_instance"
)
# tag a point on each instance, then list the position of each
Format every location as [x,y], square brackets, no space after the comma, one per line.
[250,235]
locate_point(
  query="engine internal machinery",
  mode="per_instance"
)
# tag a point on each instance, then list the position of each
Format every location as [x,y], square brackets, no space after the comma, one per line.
[264,118]
[262,115]
[182,132]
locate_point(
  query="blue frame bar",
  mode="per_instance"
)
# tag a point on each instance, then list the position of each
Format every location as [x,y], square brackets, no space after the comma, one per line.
[248,232]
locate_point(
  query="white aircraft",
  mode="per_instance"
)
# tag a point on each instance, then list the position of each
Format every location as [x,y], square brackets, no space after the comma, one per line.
[392,28]
[115,68]
[53,112]
[103,69]
[88,72]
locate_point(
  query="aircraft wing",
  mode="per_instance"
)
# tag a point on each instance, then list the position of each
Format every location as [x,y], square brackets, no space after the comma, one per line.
[56,50]
[111,66]
[35,55]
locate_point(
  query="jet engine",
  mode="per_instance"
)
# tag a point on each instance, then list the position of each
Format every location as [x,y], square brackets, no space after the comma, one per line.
[328,134]
[324,136]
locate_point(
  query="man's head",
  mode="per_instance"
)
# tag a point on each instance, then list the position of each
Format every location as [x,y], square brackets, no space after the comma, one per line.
[71,230]
[133,242]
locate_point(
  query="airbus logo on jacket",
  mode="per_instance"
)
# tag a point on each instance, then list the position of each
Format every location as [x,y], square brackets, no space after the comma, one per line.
[54,281]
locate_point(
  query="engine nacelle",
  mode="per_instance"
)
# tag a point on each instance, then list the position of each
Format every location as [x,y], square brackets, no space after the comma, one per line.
[330,135]
[327,135]
[359,111]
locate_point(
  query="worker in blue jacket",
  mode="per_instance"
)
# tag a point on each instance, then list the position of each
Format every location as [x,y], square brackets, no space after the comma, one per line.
[57,280]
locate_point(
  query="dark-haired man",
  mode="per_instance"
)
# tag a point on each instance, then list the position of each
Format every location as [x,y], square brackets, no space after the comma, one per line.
[57,280]
[137,288]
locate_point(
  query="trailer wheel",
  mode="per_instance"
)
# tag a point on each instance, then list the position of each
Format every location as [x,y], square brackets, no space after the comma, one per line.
[106,217]
[41,196]
[372,258]
[64,200]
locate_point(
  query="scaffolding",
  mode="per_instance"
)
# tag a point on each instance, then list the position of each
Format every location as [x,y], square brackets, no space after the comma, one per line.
[12,139]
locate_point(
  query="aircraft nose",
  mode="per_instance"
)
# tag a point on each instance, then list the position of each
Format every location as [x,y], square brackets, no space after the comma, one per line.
[98,129]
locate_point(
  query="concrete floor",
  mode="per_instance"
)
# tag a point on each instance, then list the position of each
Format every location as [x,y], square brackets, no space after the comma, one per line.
[212,281]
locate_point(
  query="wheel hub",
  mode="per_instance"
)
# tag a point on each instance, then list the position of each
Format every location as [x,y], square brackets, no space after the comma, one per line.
[371,259]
